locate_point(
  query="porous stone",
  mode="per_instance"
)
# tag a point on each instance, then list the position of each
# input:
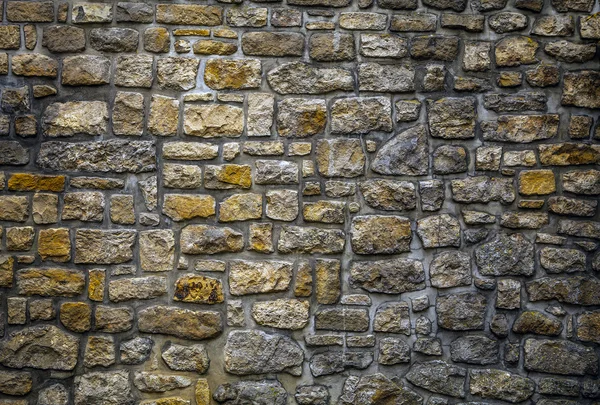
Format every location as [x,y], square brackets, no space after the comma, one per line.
[475,349]
[439,377]
[186,358]
[340,157]
[254,277]
[378,234]
[182,323]
[439,231]
[461,311]
[497,384]
[103,387]
[559,357]
[221,74]
[492,261]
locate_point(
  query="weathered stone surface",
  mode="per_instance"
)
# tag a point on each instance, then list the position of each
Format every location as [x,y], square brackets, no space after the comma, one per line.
[282,313]
[377,389]
[340,157]
[361,115]
[213,121]
[452,118]
[41,347]
[404,154]
[559,357]
[113,319]
[476,349]
[461,311]
[439,231]
[269,392]
[34,65]
[294,239]
[186,358]
[198,289]
[388,276]
[189,14]
[104,247]
[392,317]
[497,384]
[336,362]
[450,269]
[103,388]
[581,89]
[537,323]
[573,290]
[342,319]
[256,352]
[516,51]
[439,377]
[302,78]
[205,239]
[588,326]
[389,195]
[99,351]
[183,323]
[152,382]
[491,259]
[246,277]
[50,282]
[378,234]
[75,117]
[298,117]
[570,52]
[221,74]
[136,350]
[141,288]
[385,78]
[556,260]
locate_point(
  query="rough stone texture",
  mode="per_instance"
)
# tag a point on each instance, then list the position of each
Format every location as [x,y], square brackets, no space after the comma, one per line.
[348,201]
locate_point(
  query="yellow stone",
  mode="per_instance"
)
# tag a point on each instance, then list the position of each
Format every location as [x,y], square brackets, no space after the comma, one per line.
[96,285]
[202,392]
[35,182]
[198,289]
[54,244]
[166,401]
[76,316]
[190,31]
[537,182]
[304,280]
[180,207]
[241,207]
[531,204]
[6,271]
[224,33]
[261,238]
[236,174]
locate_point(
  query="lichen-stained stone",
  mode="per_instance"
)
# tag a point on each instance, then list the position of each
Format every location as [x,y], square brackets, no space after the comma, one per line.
[103,156]
[327,281]
[99,351]
[361,115]
[10,37]
[581,89]
[6,271]
[189,14]
[449,159]
[177,73]
[180,207]
[475,349]
[54,244]
[299,117]
[439,377]
[50,282]
[553,26]
[269,392]
[386,78]
[34,65]
[491,259]
[506,21]
[15,382]
[164,116]
[392,317]
[362,21]
[537,182]
[75,117]
[584,182]
[19,238]
[393,351]
[257,352]
[182,323]
[537,323]
[415,22]
[450,269]
[452,117]
[589,26]
[85,70]
[502,385]
[523,101]
[572,206]
[573,5]
[257,277]
[570,290]
[16,99]
[113,319]
[154,382]
[227,176]
[392,276]
[134,71]
[342,319]
[273,44]
[557,260]
[210,47]
[290,314]
[374,389]
[516,51]
[233,74]
[336,362]
[157,250]
[588,326]
[198,289]
[328,212]
[524,220]
[302,78]
[584,229]
[543,76]
[378,234]
[247,17]
[461,311]
[128,114]
[560,357]
[157,40]
[439,231]
[340,157]
[434,47]
[88,13]
[103,388]
[383,46]
[104,246]
[565,154]
[76,316]
[206,239]
[96,285]
[483,189]
[213,121]
[389,195]
[521,128]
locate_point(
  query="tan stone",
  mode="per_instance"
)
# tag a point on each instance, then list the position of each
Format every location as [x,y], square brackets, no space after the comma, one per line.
[241,207]
[76,316]
[183,323]
[202,392]
[14,208]
[189,14]
[54,244]
[104,246]
[122,209]
[198,289]
[96,284]
[256,277]
[34,65]
[213,121]
[327,281]
[304,280]
[180,207]
[157,250]
[164,116]
[99,351]
[6,271]
[230,74]
[49,282]
[284,313]
[19,238]
[227,176]
[537,182]
[260,238]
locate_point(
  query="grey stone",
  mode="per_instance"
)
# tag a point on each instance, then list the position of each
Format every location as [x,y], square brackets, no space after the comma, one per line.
[103,388]
[336,362]
[404,154]
[302,78]
[439,377]
[560,357]
[265,392]
[491,259]
[502,385]
[461,311]
[393,276]
[476,349]
[450,269]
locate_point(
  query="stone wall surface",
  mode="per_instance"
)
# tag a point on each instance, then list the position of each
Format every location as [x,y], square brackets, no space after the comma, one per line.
[271,202]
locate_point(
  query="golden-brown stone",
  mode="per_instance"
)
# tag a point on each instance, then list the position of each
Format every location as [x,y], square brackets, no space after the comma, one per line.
[202,392]
[198,289]
[6,271]
[35,182]
[537,182]
[96,284]
[76,316]
[54,244]
[180,207]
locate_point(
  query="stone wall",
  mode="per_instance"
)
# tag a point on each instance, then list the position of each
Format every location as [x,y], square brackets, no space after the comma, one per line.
[387,202]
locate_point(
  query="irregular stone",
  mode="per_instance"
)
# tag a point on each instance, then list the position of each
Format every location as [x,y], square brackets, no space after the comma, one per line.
[99,351]
[269,392]
[416,22]
[434,47]
[273,43]
[404,154]
[521,128]
[136,350]
[377,389]
[87,13]
[12,153]
[50,282]
[559,357]
[564,154]
[205,239]
[498,384]
[41,347]
[230,74]
[570,52]
[134,71]
[581,89]
[452,118]
[103,388]
[240,207]
[181,207]
[282,313]
[336,362]
[537,323]
[85,70]
[553,26]
[177,73]
[113,319]
[151,382]
[449,159]
[186,358]
[140,288]
[157,39]
[501,102]
[461,311]
[524,220]
[439,377]
[475,349]
[275,172]
[189,14]
[260,114]
[34,65]
[84,206]
[386,78]
[282,205]
[104,246]
[198,289]
[543,76]
[75,117]
[377,234]
[361,115]
[302,78]
[383,46]
[588,326]
[389,195]
[556,260]
[328,47]
[114,39]
[104,156]
[516,51]
[213,121]
[247,277]
[55,394]
[340,157]
[573,290]
[392,317]
[450,269]
[227,177]
[189,151]
[134,12]
[492,261]
[182,323]
[393,276]
[15,382]
[439,231]
[256,352]
[342,319]
[299,117]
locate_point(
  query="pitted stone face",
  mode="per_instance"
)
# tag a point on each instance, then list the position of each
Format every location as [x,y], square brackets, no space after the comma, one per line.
[312,202]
